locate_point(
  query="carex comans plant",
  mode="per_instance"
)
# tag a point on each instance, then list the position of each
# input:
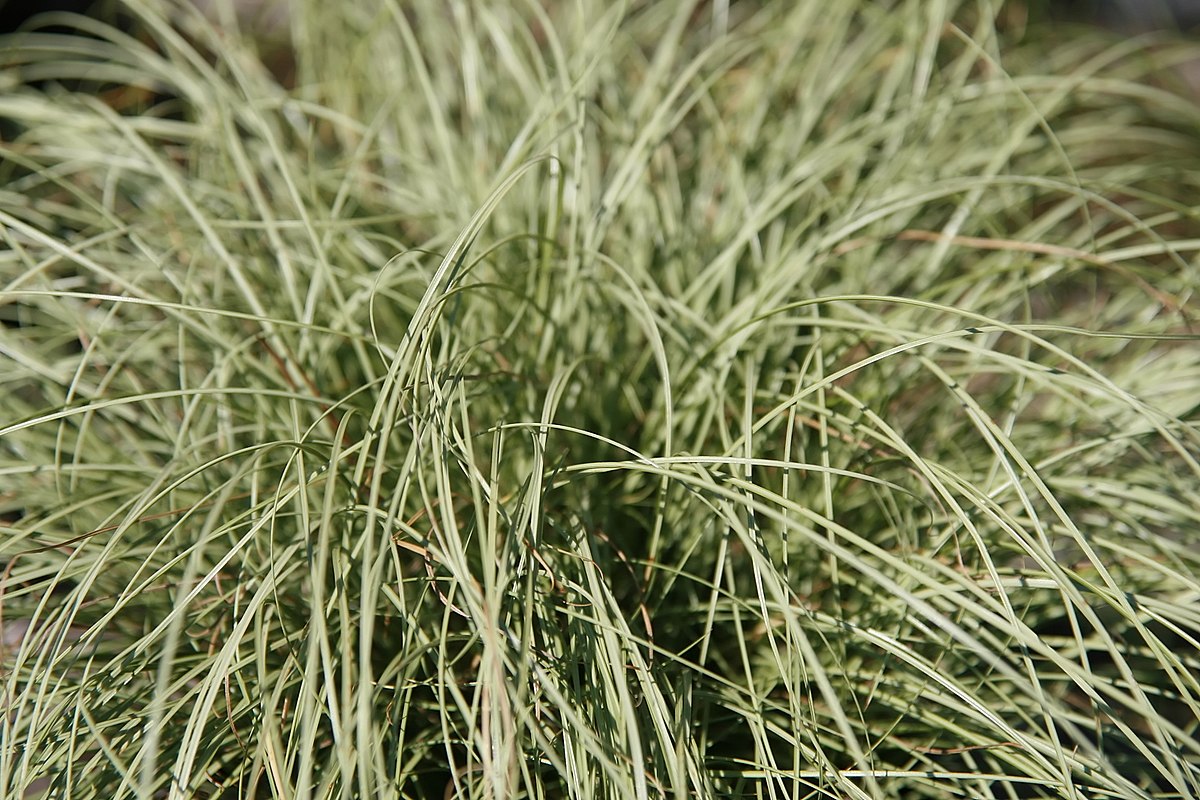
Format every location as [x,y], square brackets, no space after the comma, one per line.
[773,399]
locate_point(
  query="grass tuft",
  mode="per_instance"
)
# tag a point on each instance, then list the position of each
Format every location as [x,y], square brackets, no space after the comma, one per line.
[588,400]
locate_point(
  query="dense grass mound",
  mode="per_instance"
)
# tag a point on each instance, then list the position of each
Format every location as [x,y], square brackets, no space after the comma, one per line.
[675,399]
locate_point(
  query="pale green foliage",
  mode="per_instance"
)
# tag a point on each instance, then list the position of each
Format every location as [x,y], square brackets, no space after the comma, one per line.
[769,399]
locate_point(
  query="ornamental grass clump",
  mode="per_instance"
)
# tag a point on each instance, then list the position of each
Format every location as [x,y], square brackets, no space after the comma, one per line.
[589,400]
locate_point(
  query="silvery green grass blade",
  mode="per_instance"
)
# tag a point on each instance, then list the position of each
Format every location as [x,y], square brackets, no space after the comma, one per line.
[598,400]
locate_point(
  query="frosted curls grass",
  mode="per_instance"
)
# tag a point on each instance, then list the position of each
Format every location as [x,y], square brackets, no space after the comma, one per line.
[796,400]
